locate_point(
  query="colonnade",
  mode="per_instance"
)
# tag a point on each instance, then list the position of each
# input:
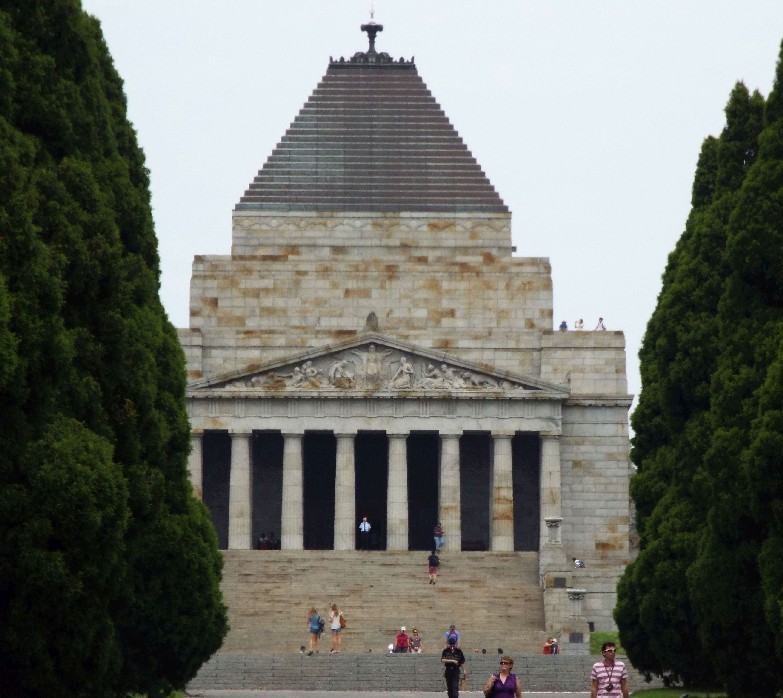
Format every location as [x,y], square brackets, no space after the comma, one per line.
[345,521]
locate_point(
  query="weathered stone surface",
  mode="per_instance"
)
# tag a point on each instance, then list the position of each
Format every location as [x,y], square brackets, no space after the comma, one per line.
[412,317]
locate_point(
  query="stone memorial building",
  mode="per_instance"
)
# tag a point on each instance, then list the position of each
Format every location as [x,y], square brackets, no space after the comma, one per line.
[372,346]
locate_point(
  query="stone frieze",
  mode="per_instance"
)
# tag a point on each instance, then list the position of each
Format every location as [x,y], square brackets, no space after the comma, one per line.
[371,367]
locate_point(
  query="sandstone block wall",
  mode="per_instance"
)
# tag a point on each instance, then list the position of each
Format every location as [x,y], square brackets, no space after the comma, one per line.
[296,282]
[400,236]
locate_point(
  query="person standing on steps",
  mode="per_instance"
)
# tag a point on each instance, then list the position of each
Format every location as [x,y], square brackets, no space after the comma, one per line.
[336,624]
[364,534]
[437,534]
[314,624]
[453,633]
[609,676]
[433,563]
[454,661]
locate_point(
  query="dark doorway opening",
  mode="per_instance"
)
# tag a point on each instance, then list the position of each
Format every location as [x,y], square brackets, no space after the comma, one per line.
[267,473]
[319,452]
[371,451]
[475,454]
[423,466]
[215,473]
[526,464]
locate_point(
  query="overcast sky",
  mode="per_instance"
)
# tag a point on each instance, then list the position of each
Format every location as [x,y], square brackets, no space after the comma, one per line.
[587,116]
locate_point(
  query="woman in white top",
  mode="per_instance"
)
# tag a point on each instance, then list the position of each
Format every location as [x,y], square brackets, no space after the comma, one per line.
[334,624]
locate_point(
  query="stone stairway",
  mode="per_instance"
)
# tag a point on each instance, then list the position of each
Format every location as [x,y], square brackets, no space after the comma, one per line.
[389,672]
[493,598]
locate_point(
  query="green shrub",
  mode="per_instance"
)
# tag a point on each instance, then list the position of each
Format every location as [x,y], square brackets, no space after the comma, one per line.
[598,638]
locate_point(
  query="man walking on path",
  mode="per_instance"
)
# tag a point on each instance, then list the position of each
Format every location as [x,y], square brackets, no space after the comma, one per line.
[609,676]
[454,661]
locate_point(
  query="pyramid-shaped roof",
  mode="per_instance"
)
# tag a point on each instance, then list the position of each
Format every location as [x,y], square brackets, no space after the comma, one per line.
[371,138]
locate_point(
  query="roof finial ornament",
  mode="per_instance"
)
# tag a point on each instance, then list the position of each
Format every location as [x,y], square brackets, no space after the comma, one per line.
[372,28]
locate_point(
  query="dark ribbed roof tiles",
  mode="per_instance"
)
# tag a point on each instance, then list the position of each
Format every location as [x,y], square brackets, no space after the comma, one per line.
[371,138]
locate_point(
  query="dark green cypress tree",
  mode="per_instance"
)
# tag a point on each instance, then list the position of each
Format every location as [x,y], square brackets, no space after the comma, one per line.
[109,568]
[735,580]
[671,424]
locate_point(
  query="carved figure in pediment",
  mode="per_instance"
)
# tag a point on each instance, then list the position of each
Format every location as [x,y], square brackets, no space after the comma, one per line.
[312,375]
[296,379]
[433,378]
[371,364]
[403,376]
[340,375]
[473,380]
[450,377]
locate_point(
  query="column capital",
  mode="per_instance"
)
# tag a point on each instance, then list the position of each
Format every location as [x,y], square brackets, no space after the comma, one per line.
[398,434]
[550,434]
[344,434]
[240,432]
[503,434]
[293,432]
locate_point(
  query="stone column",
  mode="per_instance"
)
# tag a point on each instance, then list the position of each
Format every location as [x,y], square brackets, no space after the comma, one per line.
[550,476]
[502,505]
[345,494]
[450,510]
[553,533]
[292,523]
[397,494]
[196,463]
[239,488]
[551,555]
[575,599]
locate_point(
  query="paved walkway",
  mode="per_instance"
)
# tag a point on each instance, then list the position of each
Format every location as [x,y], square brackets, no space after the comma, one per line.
[356,694]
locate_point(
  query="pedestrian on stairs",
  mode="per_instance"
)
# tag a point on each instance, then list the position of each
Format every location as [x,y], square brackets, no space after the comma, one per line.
[454,661]
[314,623]
[336,624]
[438,536]
[433,562]
[453,634]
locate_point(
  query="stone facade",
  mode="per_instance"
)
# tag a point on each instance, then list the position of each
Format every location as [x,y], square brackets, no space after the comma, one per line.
[325,327]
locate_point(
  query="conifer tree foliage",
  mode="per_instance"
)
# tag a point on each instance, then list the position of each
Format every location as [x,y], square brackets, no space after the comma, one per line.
[744,477]
[109,568]
[703,599]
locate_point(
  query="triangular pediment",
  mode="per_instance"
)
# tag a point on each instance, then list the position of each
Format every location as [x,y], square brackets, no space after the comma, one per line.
[375,363]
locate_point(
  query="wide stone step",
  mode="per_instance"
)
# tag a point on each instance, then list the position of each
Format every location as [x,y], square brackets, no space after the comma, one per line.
[385,672]
[493,598]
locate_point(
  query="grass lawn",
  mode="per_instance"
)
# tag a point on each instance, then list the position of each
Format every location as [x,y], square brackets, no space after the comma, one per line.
[675,693]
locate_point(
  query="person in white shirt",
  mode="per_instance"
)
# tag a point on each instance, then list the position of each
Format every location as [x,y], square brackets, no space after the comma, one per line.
[364,534]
